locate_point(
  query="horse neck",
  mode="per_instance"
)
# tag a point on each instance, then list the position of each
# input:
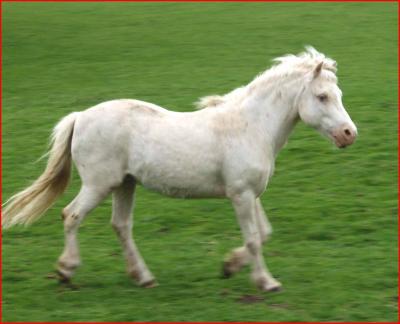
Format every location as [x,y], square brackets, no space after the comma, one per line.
[273,112]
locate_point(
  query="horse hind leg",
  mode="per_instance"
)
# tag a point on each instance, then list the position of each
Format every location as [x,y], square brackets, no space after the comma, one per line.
[122,222]
[72,215]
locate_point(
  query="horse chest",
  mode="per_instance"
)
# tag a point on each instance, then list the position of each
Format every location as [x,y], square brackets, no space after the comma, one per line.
[247,175]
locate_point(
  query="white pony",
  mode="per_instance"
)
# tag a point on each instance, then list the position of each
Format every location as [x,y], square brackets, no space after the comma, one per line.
[227,149]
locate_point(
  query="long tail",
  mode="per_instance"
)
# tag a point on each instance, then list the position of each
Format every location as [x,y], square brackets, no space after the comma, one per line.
[28,205]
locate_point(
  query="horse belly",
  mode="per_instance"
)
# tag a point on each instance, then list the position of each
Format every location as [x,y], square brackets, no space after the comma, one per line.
[182,191]
[182,183]
[179,175]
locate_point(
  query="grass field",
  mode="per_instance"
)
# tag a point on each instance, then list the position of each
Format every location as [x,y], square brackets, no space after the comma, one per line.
[334,212]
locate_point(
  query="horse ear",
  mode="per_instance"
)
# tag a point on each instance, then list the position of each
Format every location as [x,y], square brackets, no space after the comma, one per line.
[318,69]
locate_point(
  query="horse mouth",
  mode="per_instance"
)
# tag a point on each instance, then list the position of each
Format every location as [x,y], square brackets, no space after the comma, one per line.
[340,142]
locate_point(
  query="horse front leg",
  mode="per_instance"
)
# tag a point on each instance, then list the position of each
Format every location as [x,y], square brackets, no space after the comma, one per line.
[240,256]
[245,206]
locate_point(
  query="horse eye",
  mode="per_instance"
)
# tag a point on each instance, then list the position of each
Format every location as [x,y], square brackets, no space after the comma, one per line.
[322,97]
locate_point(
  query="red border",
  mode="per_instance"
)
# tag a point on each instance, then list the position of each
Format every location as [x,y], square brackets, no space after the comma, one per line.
[199,0]
[398,139]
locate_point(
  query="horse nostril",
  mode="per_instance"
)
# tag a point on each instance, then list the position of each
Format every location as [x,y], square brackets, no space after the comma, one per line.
[347,132]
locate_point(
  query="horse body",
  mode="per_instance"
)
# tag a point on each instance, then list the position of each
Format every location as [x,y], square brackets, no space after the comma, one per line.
[196,154]
[227,149]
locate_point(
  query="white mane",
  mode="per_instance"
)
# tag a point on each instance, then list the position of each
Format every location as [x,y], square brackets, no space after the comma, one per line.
[288,65]
[306,61]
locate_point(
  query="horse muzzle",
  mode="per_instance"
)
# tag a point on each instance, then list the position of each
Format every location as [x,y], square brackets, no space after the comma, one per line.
[344,135]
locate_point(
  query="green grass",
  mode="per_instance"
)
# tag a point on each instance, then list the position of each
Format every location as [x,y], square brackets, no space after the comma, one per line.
[334,212]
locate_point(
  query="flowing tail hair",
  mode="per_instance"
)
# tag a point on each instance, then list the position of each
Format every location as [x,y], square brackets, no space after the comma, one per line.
[28,205]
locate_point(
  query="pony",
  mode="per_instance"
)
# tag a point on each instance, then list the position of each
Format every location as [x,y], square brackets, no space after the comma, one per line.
[225,149]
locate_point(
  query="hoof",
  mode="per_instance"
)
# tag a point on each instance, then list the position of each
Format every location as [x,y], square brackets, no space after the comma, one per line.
[64,281]
[149,284]
[226,272]
[275,289]
[235,261]
[145,280]
[62,278]
[270,285]
[65,270]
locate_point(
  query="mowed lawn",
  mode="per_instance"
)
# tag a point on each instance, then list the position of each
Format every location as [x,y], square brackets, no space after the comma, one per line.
[334,212]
